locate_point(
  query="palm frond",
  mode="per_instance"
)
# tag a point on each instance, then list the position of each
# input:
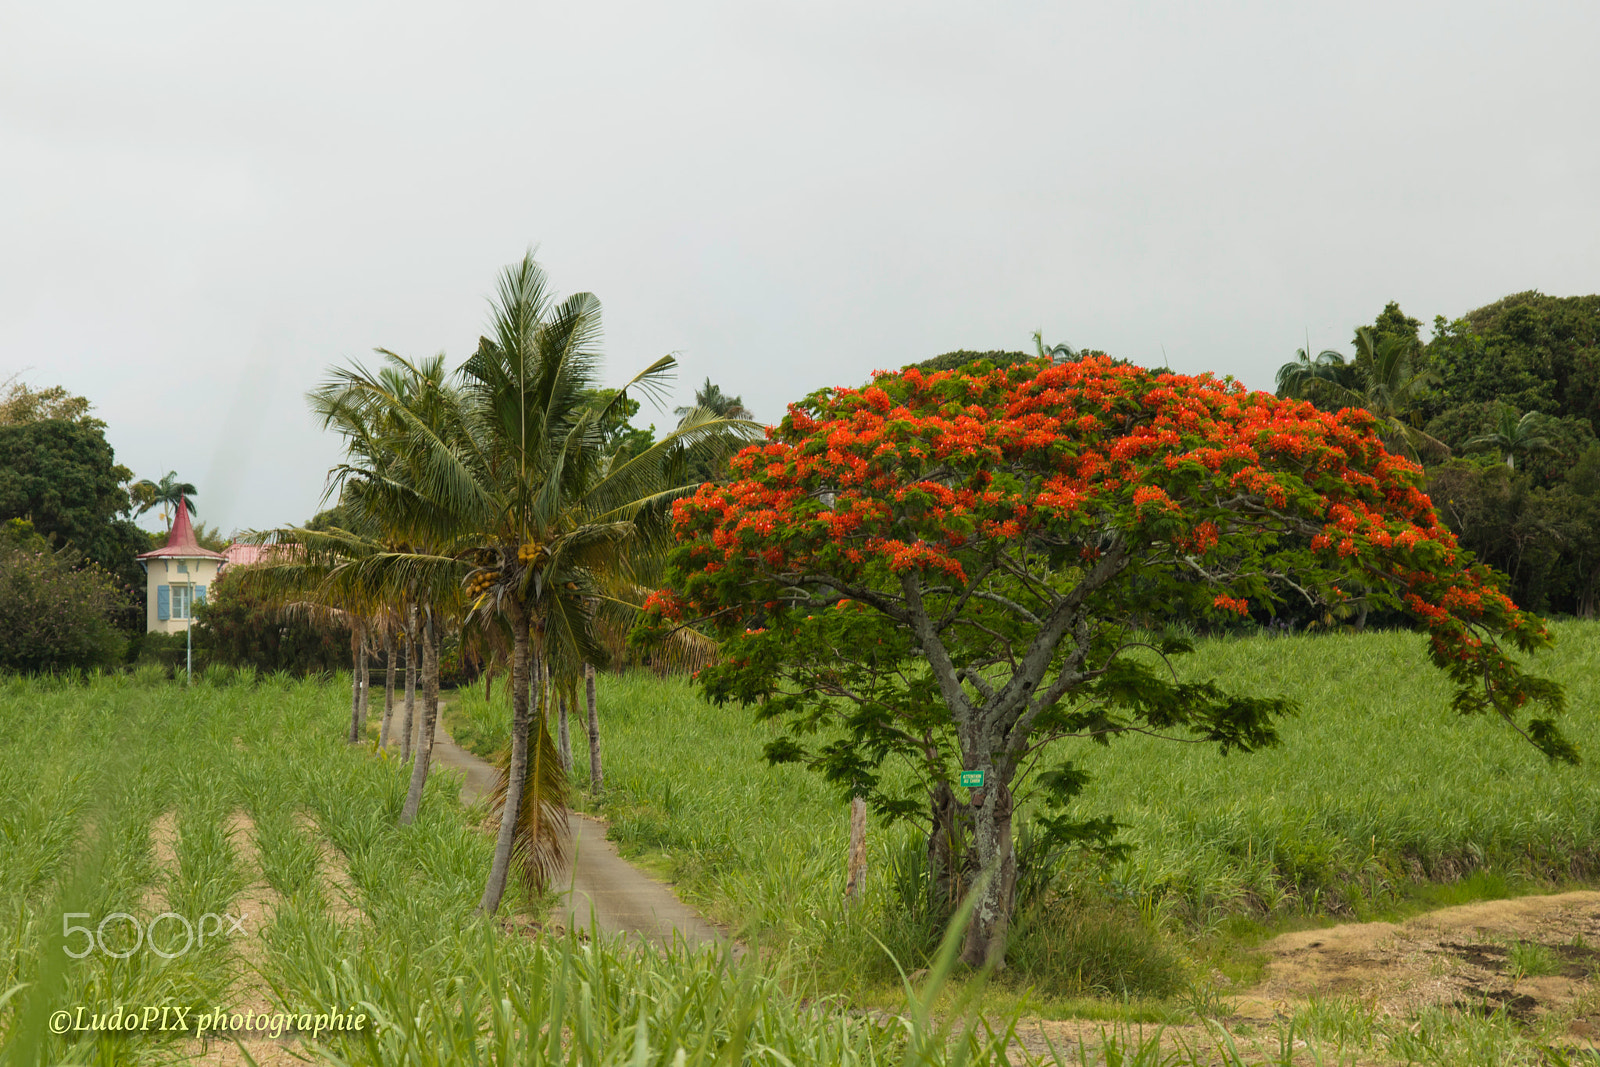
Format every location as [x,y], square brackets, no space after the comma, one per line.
[539,849]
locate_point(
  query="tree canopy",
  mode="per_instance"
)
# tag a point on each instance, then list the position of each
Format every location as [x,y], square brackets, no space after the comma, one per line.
[957,568]
[22,404]
[961,357]
[239,626]
[1514,384]
[1531,351]
[63,477]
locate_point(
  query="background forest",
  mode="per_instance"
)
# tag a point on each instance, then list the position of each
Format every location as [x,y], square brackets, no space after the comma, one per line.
[1501,407]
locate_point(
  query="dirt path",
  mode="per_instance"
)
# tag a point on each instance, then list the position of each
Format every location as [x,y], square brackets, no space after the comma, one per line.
[604,889]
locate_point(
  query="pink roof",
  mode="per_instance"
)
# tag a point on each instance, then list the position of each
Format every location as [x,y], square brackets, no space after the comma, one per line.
[180,542]
[238,555]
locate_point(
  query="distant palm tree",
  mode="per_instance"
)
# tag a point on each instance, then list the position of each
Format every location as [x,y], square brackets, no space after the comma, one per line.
[164,494]
[710,398]
[1513,437]
[1294,378]
[1055,353]
[709,464]
[1387,383]
[387,515]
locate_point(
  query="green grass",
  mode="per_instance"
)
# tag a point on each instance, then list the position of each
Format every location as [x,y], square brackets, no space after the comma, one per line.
[1379,801]
[1377,785]
[87,767]
[479,725]
[1529,959]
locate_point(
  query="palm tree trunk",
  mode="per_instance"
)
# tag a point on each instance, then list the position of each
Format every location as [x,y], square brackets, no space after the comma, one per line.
[596,778]
[411,685]
[563,730]
[358,658]
[430,718]
[517,773]
[366,681]
[430,683]
[388,686]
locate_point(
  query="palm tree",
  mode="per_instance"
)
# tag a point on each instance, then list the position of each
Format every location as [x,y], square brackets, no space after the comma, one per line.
[384,492]
[508,492]
[710,463]
[710,397]
[1387,383]
[564,513]
[167,493]
[1059,353]
[1293,379]
[1513,436]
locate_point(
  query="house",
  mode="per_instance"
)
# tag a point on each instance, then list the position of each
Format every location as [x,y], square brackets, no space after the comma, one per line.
[239,554]
[176,577]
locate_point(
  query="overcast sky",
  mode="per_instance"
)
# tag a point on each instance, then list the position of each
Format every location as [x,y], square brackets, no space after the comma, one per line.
[204,206]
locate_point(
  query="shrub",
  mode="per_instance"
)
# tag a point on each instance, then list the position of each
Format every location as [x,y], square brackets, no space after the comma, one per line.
[167,651]
[55,611]
[239,629]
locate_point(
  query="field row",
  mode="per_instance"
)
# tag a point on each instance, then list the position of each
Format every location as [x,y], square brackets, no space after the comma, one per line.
[242,802]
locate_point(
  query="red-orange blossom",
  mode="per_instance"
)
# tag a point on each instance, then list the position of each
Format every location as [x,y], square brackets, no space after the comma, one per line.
[1007,529]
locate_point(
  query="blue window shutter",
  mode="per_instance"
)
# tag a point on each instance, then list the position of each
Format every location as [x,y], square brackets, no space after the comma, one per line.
[199,594]
[163,602]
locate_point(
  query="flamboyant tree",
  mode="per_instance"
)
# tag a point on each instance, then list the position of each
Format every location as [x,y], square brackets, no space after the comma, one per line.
[961,568]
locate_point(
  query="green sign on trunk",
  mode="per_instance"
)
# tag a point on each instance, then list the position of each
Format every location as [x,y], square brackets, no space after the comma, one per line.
[972,779]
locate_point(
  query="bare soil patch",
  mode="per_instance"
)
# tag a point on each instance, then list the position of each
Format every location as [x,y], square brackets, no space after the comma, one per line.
[164,855]
[337,888]
[258,904]
[1463,957]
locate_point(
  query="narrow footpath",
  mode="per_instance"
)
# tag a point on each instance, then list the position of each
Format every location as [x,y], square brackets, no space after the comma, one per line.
[603,890]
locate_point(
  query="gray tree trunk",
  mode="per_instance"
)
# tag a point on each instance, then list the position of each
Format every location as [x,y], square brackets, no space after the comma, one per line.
[596,775]
[856,879]
[358,657]
[430,718]
[366,681]
[411,686]
[430,688]
[517,773]
[564,732]
[946,849]
[388,687]
[991,838]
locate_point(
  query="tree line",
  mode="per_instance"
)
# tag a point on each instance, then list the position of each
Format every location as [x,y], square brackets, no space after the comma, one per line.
[1501,407]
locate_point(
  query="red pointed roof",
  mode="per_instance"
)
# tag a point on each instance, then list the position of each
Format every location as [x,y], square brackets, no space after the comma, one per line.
[180,542]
